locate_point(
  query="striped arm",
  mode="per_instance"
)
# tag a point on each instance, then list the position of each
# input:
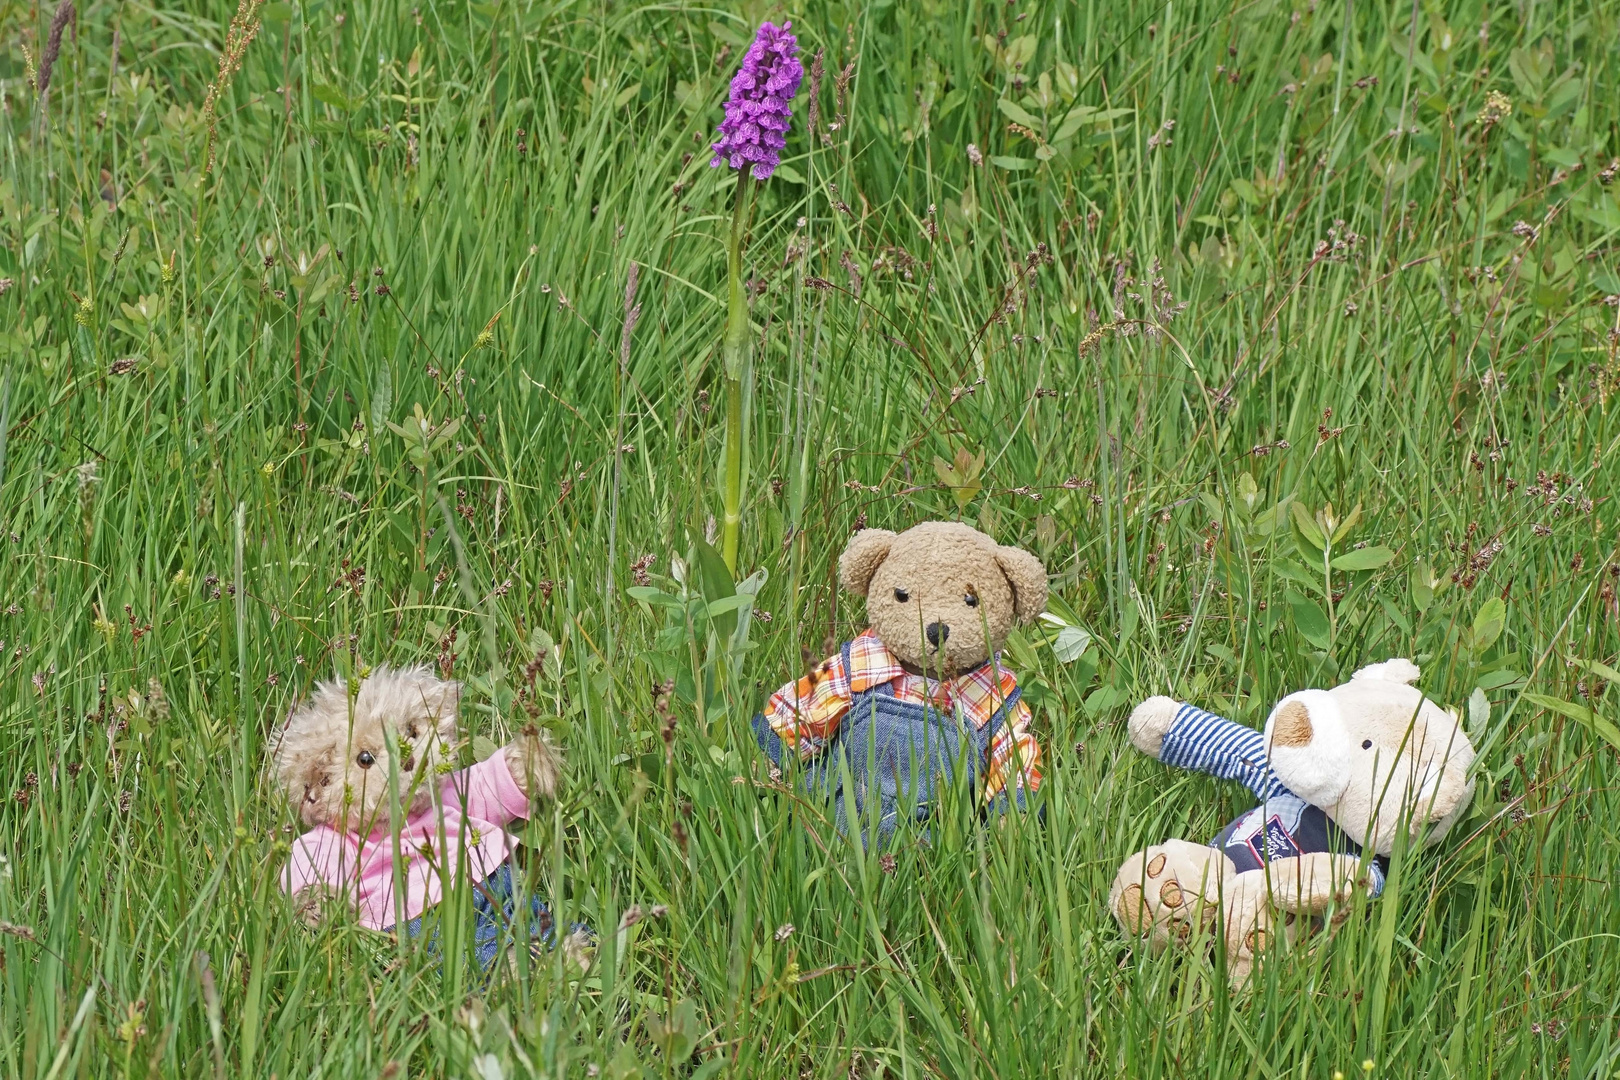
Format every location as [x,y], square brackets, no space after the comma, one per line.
[1213,744]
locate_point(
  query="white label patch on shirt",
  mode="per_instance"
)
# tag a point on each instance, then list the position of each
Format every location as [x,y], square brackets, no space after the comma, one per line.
[1269,830]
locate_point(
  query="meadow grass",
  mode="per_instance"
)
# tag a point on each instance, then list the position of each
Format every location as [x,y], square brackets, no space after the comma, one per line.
[1344,287]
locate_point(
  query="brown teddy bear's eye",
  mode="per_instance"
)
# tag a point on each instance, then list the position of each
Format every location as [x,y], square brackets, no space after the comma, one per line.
[971,600]
[1366,744]
[901,596]
[365,760]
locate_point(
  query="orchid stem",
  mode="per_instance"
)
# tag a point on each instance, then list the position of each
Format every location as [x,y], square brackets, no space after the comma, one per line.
[735,355]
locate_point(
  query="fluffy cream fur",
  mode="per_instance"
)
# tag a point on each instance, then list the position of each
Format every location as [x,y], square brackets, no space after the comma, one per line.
[335,755]
[947,576]
[1375,751]
[1374,754]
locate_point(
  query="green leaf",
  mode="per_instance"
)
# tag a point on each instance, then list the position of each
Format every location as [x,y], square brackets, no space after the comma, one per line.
[1017,114]
[1020,650]
[382,397]
[1395,615]
[1288,568]
[1580,714]
[1367,558]
[1309,619]
[676,1035]
[1424,580]
[1597,668]
[1479,713]
[1488,623]
[1244,190]
[1495,680]
[714,582]
[649,595]
[1070,644]
[1128,621]
[735,602]
[1001,161]
[1070,125]
[1343,528]
[1307,526]
[334,97]
[1104,698]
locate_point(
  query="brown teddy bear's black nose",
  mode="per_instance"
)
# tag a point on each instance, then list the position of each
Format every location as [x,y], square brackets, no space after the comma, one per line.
[936,633]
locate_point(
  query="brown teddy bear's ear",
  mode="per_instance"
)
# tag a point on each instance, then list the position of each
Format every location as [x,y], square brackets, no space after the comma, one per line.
[1027,577]
[862,556]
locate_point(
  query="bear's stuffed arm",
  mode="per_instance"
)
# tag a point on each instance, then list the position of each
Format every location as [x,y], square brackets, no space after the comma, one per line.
[1187,737]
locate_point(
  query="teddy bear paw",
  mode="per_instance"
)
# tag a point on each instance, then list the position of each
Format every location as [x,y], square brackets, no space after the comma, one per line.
[1150,722]
[1158,893]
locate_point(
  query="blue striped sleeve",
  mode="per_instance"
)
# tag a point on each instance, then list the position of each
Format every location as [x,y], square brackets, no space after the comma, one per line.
[1375,879]
[1213,744]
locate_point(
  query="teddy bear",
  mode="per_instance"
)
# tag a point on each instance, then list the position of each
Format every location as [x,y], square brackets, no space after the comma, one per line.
[921,692]
[1340,774]
[349,763]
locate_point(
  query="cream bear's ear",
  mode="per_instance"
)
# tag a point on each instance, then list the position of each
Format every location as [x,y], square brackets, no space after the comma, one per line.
[1027,577]
[862,556]
[1398,670]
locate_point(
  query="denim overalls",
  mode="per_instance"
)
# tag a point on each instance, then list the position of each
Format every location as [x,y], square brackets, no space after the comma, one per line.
[495,915]
[880,739]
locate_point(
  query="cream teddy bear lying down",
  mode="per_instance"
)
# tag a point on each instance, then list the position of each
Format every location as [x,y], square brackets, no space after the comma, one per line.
[1339,772]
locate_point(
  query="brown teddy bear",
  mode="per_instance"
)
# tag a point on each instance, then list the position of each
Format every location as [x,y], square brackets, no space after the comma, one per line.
[345,761]
[1340,773]
[922,690]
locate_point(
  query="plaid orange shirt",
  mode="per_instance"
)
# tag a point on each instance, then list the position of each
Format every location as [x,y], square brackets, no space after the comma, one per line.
[806,713]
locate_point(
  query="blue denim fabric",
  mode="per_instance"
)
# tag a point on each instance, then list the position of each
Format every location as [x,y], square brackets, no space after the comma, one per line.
[495,914]
[902,752]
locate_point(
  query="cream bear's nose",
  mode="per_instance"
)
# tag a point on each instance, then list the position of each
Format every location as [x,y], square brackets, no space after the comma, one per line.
[936,633]
[309,794]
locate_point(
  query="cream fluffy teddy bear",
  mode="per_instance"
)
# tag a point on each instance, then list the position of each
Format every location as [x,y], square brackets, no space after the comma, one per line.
[1340,773]
[344,762]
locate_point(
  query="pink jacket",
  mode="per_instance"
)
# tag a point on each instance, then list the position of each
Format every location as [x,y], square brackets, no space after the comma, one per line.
[466,819]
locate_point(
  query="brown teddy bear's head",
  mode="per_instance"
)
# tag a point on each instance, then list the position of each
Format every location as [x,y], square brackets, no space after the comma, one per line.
[332,759]
[941,595]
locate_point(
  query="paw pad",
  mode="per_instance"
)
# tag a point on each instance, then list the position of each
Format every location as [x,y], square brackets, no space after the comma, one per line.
[1171,894]
[1131,908]
[1156,867]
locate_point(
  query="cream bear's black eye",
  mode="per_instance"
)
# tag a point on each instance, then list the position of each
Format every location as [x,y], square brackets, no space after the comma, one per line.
[901,596]
[1366,744]
[971,600]
[365,760]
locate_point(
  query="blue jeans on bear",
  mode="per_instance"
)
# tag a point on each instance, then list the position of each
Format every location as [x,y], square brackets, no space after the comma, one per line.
[902,752]
[495,919]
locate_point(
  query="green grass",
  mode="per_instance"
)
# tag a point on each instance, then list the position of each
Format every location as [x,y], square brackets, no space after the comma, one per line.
[183,556]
